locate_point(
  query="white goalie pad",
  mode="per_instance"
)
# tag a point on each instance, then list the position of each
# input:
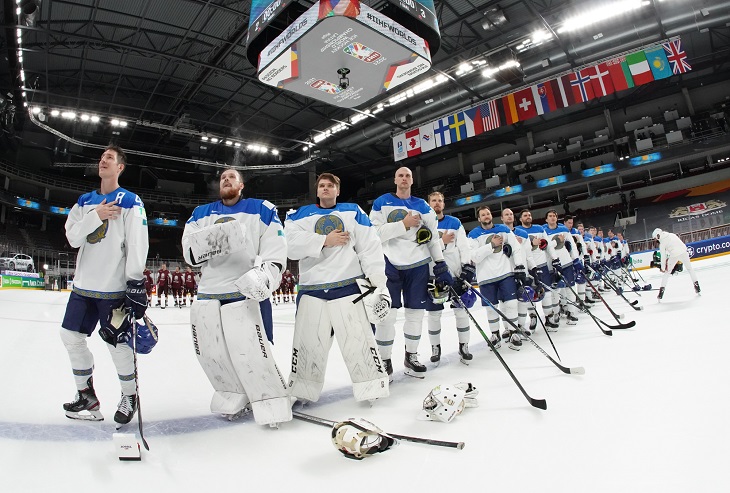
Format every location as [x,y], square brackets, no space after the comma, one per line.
[254,362]
[258,283]
[218,239]
[213,355]
[375,300]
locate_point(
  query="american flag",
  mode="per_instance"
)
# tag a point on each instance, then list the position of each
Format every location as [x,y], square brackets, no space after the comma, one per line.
[490,116]
[676,56]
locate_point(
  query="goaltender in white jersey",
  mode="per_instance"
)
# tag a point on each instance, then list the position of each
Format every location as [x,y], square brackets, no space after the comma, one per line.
[240,245]
[339,252]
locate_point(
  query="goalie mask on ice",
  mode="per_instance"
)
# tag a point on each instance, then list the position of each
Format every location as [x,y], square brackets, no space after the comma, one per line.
[445,402]
[358,438]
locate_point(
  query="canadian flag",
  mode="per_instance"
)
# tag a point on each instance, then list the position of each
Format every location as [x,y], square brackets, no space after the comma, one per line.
[413,142]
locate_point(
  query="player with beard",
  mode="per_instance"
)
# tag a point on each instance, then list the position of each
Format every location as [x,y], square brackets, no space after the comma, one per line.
[240,245]
[562,252]
[492,246]
[458,258]
[581,253]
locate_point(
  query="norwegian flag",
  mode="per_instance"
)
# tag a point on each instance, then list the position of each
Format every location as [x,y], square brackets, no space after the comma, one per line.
[676,56]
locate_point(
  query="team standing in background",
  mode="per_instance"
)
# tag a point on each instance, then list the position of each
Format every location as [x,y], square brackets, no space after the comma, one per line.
[355,271]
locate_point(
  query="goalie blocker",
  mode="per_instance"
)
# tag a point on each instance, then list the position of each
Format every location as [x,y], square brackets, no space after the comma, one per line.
[231,345]
[218,239]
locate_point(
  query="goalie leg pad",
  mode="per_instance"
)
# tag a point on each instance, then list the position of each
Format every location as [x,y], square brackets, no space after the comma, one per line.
[254,362]
[218,239]
[359,350]
[311,346]
[213,356]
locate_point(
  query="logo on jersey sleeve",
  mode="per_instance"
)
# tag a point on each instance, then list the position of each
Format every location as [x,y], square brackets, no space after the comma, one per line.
[99,233]
[397,215]
[327,224]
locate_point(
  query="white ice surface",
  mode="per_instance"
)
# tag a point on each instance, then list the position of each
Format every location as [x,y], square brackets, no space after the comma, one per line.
[649,415]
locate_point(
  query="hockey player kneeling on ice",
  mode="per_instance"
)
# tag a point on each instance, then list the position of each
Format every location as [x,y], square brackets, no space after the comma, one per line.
[672,251]
[342,291]
[109,227]
[445,402]
[359,438]
[240,245]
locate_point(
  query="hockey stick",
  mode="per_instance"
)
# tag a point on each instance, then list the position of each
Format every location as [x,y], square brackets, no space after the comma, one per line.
[595,290]
[427,441]
[136,378]
[584,309]
[545,329]
[538,403]
[637,286]
[619,292]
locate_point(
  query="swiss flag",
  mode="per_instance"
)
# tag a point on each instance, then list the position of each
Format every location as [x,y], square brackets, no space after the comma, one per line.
[601,80]
[525,104]
[413,142]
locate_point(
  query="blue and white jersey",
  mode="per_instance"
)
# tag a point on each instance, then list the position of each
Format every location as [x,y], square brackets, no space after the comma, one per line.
[591,247]
[399,243]
[523,256]
[580,243]
[556,249]
[112,251]
[323,268]
[457,252]
[614,247]
[264,238]
[598,241]
[536,233]
[491,262]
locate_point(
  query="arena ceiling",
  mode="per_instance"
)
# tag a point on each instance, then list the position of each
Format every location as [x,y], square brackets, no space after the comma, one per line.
[175,71]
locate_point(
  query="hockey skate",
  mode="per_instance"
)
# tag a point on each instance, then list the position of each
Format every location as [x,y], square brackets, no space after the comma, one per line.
[533,322]
[661,294]
[126,409]
[552,323]
[389,369]
[572,319]
[495,340]
[414,368]
[514,340]
[697,287]
[464,355]
[436,353]
[85,400]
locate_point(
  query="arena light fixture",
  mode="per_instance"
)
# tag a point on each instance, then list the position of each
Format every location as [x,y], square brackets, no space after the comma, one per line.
[55,112]
[604,12]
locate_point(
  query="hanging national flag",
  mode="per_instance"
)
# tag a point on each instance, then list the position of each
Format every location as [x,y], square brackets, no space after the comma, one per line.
[544,98]
[676,56]
[441,132]
[473,119]
[525,104]
[658,63]
[620,74]
[489,114]
[581,84]
[399,147]
[562,91]
[428,140]
[510,109]
[639,67]
[601,80]
[413,143]
[457,126]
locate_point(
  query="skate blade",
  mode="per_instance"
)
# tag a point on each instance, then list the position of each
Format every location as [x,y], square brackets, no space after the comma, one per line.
[465,361]
[415,374]
[243,412]
[436,363]
[92,416]
[515,348]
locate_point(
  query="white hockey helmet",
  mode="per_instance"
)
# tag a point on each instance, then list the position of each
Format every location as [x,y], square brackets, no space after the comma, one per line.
[359,438]
[655,233]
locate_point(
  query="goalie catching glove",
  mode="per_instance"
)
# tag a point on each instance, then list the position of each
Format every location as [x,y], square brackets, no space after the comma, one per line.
[357,438]
[258,283]
[376,301]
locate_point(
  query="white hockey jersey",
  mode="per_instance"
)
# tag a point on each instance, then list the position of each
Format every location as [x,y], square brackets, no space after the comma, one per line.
[399,243]
[558,238]
[112,251]
[456,253]
[491,262]
[323,268]
[264,238]
[539,256]
[670,246]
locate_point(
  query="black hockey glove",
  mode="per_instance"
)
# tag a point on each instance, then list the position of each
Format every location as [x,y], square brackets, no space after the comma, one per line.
[423,235]
[556,265]
[136,298]
[468,273]
[568,246]
[117,328]
[507,250]
[580,247]
[441,272]
[520,275]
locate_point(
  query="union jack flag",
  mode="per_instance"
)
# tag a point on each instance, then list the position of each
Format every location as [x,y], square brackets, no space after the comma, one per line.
[676,56]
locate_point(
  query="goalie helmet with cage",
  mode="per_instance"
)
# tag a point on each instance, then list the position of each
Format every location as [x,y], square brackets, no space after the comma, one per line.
[359,438]
[439,294]
[445,402]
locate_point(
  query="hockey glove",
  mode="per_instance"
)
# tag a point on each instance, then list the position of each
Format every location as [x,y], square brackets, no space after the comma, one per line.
[520,275]
[568,246]
[423,235]
[580,247]
[543,244]
[578,265]
[135,299]
[556,265]
[468,273]
[441,272]
[258,283]
[507,250]
[117,329]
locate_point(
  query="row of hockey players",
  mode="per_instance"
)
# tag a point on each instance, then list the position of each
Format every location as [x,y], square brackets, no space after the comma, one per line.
[182,285]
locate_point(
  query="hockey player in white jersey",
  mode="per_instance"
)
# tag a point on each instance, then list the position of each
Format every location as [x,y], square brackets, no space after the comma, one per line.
[109,227]
[240,247]
[408,231]
[492,246]
[671,251]
[338,252]
[457,255]
[581,252]
[522,256]
[540,273]
[562,251]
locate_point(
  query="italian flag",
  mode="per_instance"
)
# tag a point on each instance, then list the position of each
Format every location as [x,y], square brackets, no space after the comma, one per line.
[639,67]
